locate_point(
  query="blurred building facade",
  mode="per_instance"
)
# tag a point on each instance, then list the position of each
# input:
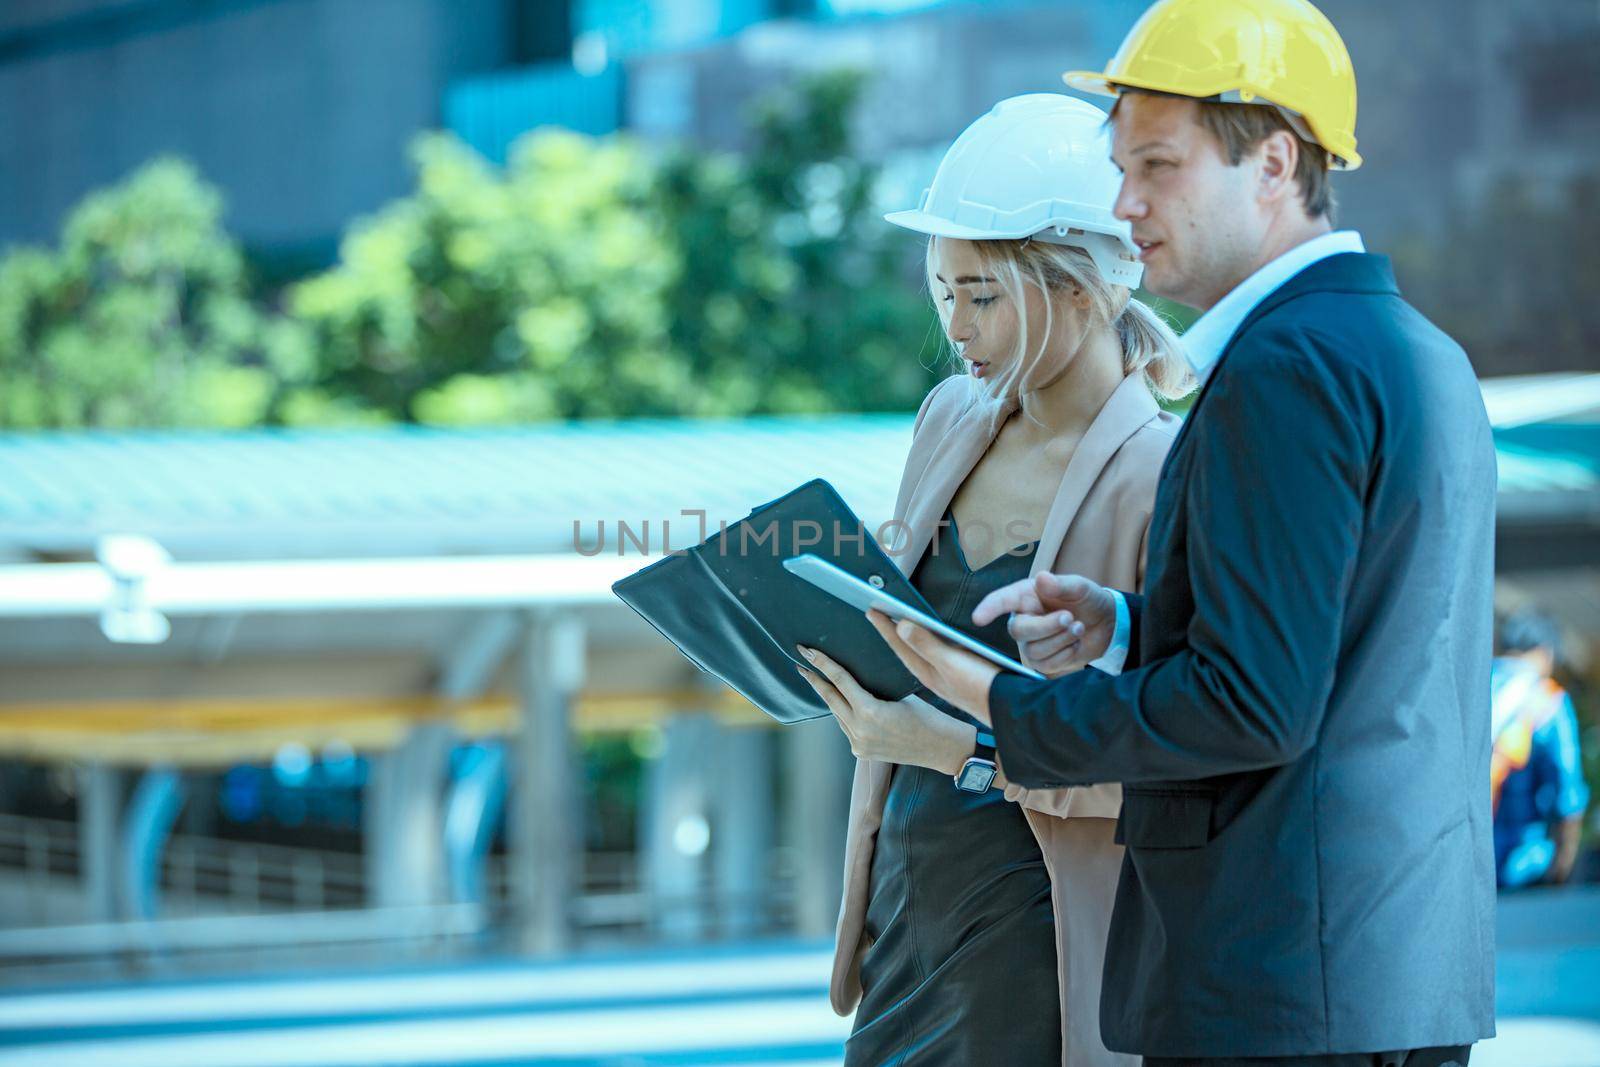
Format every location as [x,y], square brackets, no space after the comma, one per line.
[373,685]
[427,715]
[301,109]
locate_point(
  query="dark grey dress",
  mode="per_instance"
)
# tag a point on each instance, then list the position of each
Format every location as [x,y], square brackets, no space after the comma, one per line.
[962,969]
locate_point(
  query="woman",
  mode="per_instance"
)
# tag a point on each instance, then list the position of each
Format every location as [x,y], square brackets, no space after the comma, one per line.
[973,924]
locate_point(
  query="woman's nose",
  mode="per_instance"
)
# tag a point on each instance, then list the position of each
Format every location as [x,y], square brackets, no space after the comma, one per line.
[962,333]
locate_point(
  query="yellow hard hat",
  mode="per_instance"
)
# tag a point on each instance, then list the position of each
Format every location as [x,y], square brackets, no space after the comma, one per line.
[1280,52]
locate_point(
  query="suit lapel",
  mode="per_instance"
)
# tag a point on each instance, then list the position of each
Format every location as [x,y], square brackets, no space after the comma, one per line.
[1128,408]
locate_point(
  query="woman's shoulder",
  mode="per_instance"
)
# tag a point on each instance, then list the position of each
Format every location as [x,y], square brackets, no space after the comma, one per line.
[1141,456]
[944,404]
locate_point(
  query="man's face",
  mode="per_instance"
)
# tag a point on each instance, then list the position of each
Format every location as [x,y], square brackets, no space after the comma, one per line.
[1195,218]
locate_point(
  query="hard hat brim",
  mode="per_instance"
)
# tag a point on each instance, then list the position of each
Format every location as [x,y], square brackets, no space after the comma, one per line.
[1101,84]
[1090,81]
[934,226]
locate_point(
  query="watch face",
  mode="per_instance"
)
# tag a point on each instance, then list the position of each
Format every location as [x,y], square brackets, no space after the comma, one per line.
[976,776]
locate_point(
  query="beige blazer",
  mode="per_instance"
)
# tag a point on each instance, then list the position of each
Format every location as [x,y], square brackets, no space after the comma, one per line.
[1096,527]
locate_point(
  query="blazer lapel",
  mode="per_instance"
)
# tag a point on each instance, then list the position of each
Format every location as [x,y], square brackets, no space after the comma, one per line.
[1129,407]
[952,460]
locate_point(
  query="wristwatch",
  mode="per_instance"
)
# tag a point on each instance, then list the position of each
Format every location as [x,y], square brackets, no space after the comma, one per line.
[977,774]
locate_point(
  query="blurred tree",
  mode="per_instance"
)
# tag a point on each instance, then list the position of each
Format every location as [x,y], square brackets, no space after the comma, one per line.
[590,278]
[794,295]
[141,318]
[586,278]
[493,296]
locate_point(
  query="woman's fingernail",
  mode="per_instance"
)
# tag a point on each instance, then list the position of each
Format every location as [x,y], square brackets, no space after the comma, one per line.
[807,653]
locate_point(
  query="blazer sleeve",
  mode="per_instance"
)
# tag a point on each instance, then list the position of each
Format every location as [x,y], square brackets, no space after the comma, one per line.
[1273,532]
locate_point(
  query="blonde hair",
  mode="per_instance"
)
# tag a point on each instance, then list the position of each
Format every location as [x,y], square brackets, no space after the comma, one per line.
[1148,343]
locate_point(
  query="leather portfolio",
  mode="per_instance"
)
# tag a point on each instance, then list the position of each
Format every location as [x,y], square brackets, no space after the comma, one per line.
[732,609]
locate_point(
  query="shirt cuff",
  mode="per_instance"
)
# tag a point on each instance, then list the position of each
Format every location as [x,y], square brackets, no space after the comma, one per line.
[1116,654]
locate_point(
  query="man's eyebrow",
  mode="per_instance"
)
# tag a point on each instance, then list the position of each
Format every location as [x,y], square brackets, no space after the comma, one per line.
[967,279]
[1145,147]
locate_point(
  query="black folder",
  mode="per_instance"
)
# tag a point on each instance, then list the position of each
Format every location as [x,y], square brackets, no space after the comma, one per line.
[731,608]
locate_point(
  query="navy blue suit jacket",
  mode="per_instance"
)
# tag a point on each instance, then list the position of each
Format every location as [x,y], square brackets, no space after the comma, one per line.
[1303,732]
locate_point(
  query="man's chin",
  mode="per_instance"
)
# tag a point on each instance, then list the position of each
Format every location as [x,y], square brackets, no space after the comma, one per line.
[1168,284]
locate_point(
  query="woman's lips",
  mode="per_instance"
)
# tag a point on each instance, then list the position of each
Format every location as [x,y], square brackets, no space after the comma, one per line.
[978,368]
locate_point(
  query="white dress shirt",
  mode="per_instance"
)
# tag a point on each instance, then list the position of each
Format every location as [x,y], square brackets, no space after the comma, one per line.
[1203,344]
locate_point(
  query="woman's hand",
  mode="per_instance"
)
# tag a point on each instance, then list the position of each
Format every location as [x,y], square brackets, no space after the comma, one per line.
[949,670]
[910,732]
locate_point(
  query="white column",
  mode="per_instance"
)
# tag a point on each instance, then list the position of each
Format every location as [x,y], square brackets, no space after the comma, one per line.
[544,826]
[818,767]
[677,834]
[100,803]
[404,819]
[744,802]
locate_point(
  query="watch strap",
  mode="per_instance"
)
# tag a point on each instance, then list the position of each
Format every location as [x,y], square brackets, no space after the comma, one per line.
[984,746]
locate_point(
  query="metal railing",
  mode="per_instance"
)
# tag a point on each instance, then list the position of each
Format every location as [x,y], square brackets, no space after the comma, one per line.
[232,896]
[196,872]
[253,878]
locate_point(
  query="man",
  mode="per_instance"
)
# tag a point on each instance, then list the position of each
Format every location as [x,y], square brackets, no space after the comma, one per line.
[1536,772]
[1302,723]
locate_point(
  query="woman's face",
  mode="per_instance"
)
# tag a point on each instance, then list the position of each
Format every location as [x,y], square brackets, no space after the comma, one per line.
[985,324]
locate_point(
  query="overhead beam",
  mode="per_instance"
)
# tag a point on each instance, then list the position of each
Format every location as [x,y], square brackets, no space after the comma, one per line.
[219,733]
[76,590]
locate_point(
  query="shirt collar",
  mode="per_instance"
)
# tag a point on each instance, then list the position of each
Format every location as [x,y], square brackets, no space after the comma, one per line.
[1204,341]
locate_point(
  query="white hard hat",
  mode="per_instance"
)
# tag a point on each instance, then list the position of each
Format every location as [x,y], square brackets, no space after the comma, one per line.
[1037,166]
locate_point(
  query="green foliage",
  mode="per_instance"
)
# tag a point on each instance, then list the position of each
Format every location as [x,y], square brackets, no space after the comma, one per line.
[141,318]
[586,278]
[591,278]
[794,295]
[494,296]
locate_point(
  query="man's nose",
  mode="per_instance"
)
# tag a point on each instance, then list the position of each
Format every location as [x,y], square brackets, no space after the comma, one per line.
[1129,204]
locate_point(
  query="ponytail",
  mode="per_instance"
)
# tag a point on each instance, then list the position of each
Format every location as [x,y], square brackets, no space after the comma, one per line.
[1150,345]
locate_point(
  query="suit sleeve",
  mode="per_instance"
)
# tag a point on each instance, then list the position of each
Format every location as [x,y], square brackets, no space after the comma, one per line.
[1135,615]
[1273,504]
[1135,602]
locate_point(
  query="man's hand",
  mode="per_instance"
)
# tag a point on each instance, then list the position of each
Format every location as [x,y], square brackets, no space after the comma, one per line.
[954,673]
[1060,623]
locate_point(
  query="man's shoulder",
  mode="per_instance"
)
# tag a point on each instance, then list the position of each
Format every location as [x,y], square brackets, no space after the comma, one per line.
[1347,305]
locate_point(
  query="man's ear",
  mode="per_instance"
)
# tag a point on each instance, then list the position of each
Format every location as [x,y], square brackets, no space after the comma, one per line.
[1277,157]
